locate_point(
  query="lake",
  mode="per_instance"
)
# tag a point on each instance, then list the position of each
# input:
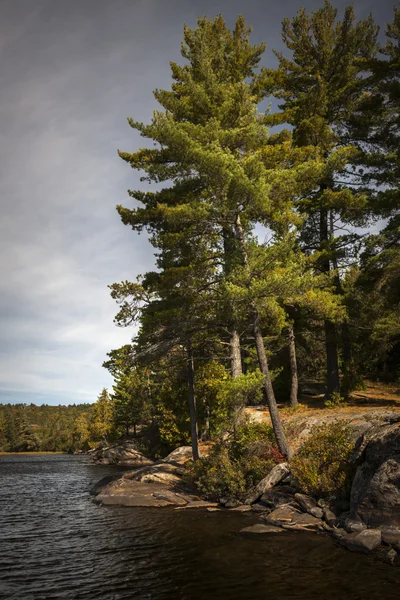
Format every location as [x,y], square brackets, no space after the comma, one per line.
[55,542]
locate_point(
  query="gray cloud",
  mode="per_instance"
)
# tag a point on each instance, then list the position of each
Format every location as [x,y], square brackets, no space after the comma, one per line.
[70,74]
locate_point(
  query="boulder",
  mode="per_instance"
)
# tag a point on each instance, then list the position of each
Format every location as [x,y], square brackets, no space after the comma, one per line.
[260,530]
[290,518]
[160,472]
[278,496]
[329,516]
[124,454]
[354,525]
[375,492]
[274,477]
[179,456]
[363,541]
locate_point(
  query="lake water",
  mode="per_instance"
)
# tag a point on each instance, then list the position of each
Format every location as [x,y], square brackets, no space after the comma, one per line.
[55,542]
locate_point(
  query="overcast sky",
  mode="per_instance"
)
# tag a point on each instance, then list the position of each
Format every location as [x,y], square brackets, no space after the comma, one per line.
[71,72]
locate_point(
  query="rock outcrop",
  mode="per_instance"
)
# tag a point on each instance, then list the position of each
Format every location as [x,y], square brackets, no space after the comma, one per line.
[124,454]
[158,484]
[375,492]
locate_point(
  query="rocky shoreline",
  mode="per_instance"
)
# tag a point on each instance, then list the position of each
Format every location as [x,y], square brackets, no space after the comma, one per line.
[361,523]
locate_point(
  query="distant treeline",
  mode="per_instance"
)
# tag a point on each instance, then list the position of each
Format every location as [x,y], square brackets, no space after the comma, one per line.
[31,428]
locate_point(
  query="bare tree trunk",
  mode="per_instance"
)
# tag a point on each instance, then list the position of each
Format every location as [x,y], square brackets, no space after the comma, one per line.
[294,381]
[194,433]
[332,362]
[235,355]
[234,339]
[280,437]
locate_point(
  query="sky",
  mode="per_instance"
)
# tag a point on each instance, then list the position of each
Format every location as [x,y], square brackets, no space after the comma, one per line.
[71,72]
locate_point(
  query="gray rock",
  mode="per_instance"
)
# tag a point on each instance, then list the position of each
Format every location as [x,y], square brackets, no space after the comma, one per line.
[329,517]
[391,537]
[278,496]
[354,525]
[305,502]
[260,508]
[274,477]
[364,541]
[242,508]
[289,518]
[316,512]
[198,504]
[391,555]
[124,454]
[232,503]
[180,456]
[375,493]
[100,485]
[338,532]
[259,530]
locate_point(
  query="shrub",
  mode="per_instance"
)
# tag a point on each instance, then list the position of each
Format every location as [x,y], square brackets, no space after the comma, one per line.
[335,401]
[237,464]
[321,466]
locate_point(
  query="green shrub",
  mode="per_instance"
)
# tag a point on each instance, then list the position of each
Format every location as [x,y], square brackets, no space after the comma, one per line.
[236,465]
[321,466]
[335,401]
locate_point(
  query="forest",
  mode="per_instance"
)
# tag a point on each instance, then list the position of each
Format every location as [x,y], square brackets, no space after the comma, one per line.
[270,197]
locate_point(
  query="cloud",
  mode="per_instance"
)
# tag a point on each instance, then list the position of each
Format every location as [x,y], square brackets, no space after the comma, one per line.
[70,74]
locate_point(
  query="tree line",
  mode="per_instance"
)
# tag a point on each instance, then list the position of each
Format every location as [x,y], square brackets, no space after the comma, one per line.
[77,427]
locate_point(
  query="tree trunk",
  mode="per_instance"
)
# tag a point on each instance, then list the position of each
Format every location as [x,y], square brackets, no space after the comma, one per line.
[280,437]
[268,389]
[194,433]
[332,362]
[235,355]
[294,381]
[344,329]
[234,339]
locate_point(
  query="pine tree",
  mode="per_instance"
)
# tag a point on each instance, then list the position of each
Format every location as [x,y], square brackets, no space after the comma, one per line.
[321,86]
[101,425]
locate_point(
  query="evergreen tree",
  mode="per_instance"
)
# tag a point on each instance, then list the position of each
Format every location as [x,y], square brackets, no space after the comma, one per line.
[321,86]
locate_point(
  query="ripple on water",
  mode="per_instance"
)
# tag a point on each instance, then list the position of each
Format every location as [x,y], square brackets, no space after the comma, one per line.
[55,542]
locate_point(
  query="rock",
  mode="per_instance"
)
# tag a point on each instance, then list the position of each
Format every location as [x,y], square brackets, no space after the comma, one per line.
[274,476]
[375,493]
[354,525]
[338,532]
[223,501]
[180,456]
[260,508]
[97,487]
[128,492]
[232,503]
[363,541]
[259,530]
[199,504]
[289,518]
[329,517]
[305,502]
[278,496]
[391,537]
[391,555]
[213,509]
[171,497]
[159,473]
[317,512]
[123,454]
[242,508]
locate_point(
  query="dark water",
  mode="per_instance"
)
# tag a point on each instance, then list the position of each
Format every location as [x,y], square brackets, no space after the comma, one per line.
[56,543]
